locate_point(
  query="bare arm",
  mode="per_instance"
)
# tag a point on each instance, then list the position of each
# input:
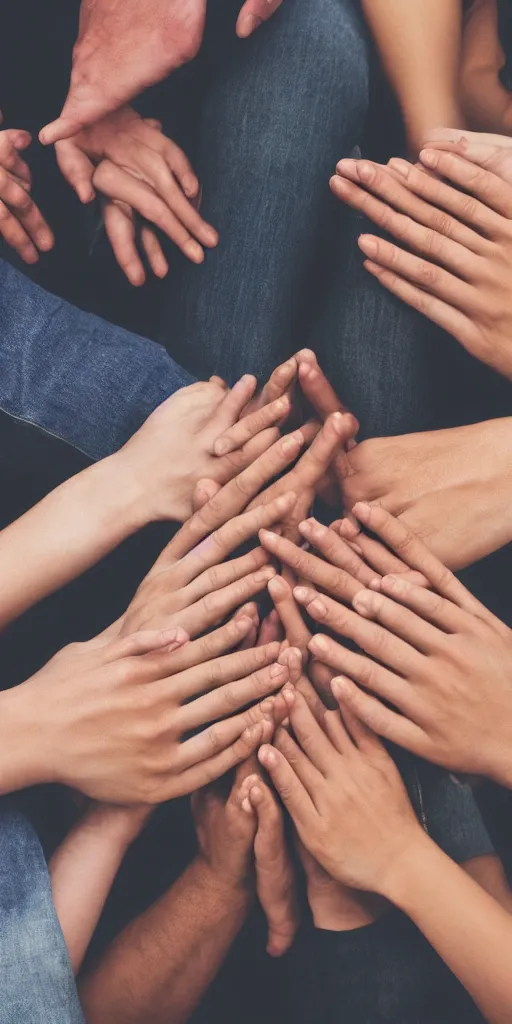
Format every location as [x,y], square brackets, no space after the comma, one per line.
[158,969]
[419,44]
[487,104]
[84,867]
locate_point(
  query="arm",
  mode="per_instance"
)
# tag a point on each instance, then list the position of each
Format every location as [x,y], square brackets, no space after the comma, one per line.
[160,966]
[419,44]
[84,867]
[486,102]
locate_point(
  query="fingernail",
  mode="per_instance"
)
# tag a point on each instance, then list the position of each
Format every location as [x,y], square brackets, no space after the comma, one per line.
[317,608]
[45,240]
[248,25]
[391,582]
[362,602]
[222,447]
[362,511]
[267,537]
[365,170]
[267,707]
[337,422]
[339,687]
[319,643]
[289,695]
[256,795]
[266,755]
[368,245]
[401,166]
[168,636]
[276,587]
[428,157]
[211,236]
[246,806]
[190,185]
[264,574]
[301,593]
[194,251]
[285,501]
[278,671]
[290,443]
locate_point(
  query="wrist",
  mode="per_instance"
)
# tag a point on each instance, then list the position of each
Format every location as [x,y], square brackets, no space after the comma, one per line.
[398,881]
[24,752]
[239,887]
[123,496]
[118,825]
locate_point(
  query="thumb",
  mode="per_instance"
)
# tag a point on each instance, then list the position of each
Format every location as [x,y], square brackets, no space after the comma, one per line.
[205,490]
[76,168]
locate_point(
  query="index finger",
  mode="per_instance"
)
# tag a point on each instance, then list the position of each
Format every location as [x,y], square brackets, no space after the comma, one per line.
[309,567]
[489,189]
[253,424]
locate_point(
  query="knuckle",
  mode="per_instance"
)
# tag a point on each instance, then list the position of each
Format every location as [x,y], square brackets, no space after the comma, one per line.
[428,274]
[442,223]
[468,206]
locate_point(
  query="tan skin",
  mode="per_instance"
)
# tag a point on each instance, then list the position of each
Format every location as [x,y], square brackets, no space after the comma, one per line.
[486,103]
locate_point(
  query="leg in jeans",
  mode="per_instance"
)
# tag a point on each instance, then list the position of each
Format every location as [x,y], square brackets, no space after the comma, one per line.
[267,119]
[73,375]
[36,980]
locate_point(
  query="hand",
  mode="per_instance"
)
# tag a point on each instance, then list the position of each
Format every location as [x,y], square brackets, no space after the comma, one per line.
[460,277]
[443,484]
[334,907]
[112,721]
[143,171]
[125,46]
[452,694]
[226,833]
[344,794]
[492,152]
[22,225]
[163,474]
[200,589]
[275,875]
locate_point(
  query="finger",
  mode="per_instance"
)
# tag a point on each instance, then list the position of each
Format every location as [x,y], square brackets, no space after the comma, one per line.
[379,557]
[369,636]
[317,389]
[491,190]
[217,739]
[120,231]
[205,490]
[213,766]
[159,176]
[381,720]
[364,739]
[235,401]
[213,645]
[232,498]
[154,252]
[181,167]
[270,630]
[444,314]
[247,428]
[414,553]
[274,871]
[228,538]
[295,629]
[309,734]
[227,699]
[336,431]
[258,445]
[203,677]
[146,641]
[221,575]
[415,201]
[279,382]
[306,772]
[14,236]
[216,606]
[309,567]
[76,168]
[118,184]
[12,141]
[427,276]
[365,672]
[339,736]
[22,206]
[431,607]
[253,14]
[488,151]
[400,621]
[336,551]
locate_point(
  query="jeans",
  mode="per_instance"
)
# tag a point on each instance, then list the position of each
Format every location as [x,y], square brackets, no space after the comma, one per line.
[36,978]
[73,375]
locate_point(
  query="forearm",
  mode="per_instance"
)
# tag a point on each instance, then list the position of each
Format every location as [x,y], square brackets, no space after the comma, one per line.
[484,98]
[419,44]
[158,969]
[469,930]
[67,532]
[83,870]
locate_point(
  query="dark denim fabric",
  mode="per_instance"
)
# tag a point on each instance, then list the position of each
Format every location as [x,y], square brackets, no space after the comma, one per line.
[36,978]
[73,375]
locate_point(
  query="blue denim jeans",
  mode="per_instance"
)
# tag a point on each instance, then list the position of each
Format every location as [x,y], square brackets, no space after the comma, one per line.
[73,375]
[36,978]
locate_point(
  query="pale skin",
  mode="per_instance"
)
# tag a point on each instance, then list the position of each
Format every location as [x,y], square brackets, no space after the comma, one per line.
[459,231]
[419,45]
[145,481]
[439,657]
[124,46]
[486,103]
[158,969]
[353,815]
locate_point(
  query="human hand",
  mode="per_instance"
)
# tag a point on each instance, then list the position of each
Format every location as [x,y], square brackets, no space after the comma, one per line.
[336,907]
[161,476]
[199,590]
[444,663]
[460,279]
[138,170]
[344,794]
[443,484]
[226,833]
[22,225]
[124,47]
[112,721]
